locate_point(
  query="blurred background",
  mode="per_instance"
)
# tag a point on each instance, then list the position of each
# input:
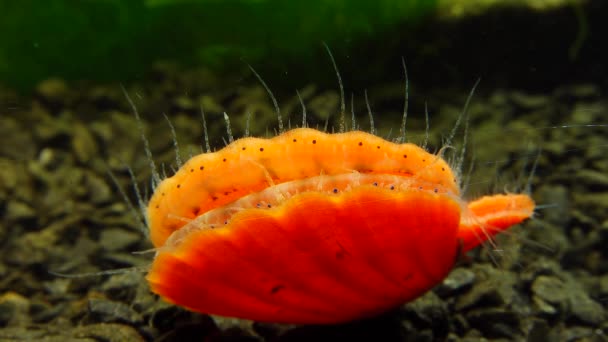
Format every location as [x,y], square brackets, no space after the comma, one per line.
[523,43]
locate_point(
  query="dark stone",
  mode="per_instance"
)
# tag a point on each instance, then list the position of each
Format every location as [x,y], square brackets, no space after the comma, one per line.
[495,289]
[42,312]
[18,211]
[584,309]
[458,280]
[539,330]
[84,144]
[576,333]
[14,309]
[428,311]
[550,289]
[495,322]
[97,188]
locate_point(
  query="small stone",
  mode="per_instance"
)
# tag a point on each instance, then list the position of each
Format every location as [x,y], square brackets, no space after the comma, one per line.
[594,179]
[495,322]
[604,286]
[543,307]
[529,101]
[458,280]
[586,113]
[577,334]
[53,89]
[579,91]
[116,239]
[538,330]
[8,174]
[83,143]
[18,211]
[430,312]
[98,190]
[42,312]
[551,290]
[495,289]
[185,103]
[584,309]
[14,309]
[16,141]
[541,266]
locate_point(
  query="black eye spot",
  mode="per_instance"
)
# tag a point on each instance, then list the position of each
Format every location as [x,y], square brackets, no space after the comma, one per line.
[375,183]
[423,160]
[195,211]
[201,168]
[258,205]
[179,186]
[392,187]
[224,160]
[443,169]
[360,143]
[405,156]
[157,206]
[261,149]
[225,222]
[314,141]
[214,198]
[378,147]
[212,226]
[226,193]
[436,190]
[163,194]
[244,148]
[419,188]
[191,170]
[269,206]
[294,140]
[335,191]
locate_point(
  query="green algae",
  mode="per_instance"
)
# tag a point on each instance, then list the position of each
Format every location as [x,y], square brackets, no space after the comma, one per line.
[114,40]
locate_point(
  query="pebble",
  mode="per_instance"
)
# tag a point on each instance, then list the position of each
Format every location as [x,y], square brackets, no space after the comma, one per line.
[116,239]
[18,212]
[53,89]
[566,298]
[528,101]
[429,312]
[495,322]
[495,289]
[595,180]
[551,290]
[14,309]
[458,280]
[84,145]
[97,189]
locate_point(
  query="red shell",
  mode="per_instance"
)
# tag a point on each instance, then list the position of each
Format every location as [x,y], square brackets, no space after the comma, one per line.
[318,259]
[309,227]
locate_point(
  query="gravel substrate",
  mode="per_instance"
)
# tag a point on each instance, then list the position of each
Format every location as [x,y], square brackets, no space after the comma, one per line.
[60,211]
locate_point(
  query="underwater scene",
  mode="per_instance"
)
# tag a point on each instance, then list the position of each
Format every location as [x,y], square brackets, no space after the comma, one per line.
[323,170]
